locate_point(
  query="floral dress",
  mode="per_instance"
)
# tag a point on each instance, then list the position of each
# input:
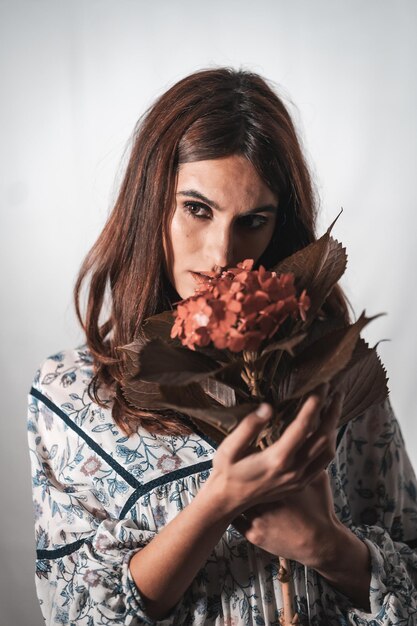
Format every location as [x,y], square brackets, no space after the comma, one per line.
[100,496]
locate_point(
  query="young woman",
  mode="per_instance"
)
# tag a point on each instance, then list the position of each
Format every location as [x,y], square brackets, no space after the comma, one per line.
[139,515]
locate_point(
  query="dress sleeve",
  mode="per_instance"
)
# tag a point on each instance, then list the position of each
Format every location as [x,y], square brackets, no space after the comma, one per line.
[381,488]
[82,548]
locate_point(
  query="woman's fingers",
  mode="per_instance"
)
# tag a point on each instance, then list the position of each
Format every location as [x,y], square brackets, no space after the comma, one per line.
[325,436]
[306,422]
[304,449]
[317,465]
[237,442]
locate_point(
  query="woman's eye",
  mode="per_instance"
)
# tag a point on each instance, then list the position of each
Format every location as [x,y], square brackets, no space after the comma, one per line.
[253,222]
[248,222]
[193,207]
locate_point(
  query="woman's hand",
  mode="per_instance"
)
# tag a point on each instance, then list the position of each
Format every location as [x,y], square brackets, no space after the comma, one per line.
[304,528]
[283,490]
[301,526]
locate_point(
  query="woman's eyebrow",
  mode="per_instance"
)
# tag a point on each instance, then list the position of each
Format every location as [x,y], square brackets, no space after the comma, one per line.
[193,193]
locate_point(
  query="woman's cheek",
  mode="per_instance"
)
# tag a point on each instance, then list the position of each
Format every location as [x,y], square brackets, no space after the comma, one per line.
[185,235]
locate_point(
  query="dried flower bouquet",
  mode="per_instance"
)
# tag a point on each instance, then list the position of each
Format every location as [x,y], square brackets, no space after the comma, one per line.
[248,336]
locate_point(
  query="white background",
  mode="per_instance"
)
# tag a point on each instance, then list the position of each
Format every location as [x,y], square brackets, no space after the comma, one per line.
[76,75]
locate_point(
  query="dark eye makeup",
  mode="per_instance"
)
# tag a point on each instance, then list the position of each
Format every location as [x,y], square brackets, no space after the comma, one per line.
[192,208]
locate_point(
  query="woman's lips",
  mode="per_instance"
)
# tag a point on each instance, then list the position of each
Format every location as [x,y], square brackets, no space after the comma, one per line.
[200,278]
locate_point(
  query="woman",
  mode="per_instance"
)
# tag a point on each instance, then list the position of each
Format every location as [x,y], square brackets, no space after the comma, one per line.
[138,514]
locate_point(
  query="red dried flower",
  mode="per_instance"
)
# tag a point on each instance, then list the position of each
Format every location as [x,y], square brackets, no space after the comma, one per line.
[238,309]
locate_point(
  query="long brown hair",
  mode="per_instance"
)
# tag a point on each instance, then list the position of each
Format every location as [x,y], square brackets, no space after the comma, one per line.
[209,114]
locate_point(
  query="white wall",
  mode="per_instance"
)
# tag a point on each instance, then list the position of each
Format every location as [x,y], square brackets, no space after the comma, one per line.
[75,76]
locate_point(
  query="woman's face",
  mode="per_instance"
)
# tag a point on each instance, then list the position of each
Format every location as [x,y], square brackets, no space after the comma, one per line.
[224,213]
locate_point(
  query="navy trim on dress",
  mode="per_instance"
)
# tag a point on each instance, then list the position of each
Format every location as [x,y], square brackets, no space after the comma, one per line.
[199,432]
[131,480]
[59,552]
[162,480]
[340,434]
[140,489]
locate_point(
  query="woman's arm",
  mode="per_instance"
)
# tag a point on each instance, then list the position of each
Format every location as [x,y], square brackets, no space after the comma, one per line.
[378,503]
[165,568]
[348,567]
[381,487]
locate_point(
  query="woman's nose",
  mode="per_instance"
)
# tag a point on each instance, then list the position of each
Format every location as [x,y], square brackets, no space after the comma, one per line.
[220,247]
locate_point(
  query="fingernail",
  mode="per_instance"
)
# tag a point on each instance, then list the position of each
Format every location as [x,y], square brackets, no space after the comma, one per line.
[263,410]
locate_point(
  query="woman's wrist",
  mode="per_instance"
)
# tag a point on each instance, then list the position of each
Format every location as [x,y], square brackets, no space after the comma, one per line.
[218,501]
[345,562]
[332,547]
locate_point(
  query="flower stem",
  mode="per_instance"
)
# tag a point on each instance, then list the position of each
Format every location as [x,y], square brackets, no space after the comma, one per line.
[285,578]
[250,375]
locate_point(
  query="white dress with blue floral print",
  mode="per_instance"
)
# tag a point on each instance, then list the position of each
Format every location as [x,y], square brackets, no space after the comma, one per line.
[100,496]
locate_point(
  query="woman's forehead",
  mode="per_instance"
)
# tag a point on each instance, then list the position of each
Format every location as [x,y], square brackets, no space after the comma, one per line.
[221,180]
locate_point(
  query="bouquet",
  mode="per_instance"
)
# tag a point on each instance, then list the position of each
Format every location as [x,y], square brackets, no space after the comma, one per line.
[249,336]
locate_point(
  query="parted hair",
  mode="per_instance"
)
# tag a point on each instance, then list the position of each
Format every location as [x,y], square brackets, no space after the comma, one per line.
[209,114]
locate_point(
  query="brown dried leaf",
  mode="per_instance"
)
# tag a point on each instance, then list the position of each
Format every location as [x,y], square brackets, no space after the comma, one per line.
[143,395]
[324,358]
[223,419]
[147,396]
[221,356]
[286,344]
[363,380]
[230,375]
[192,395]
[160,326]
[316,268]
[131,357]
[168,365]
[152,395]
